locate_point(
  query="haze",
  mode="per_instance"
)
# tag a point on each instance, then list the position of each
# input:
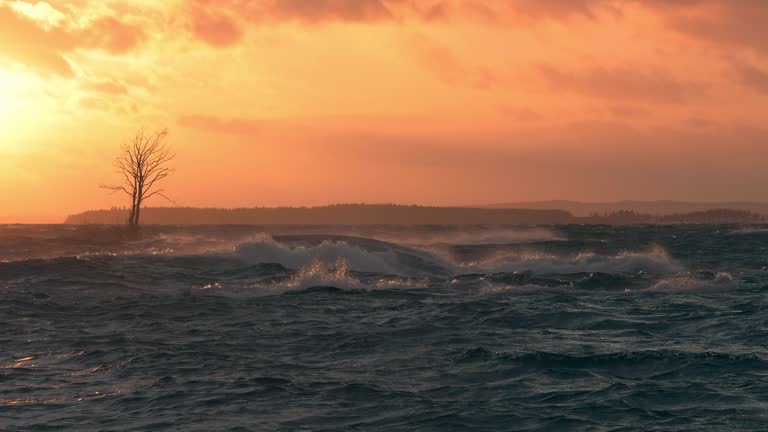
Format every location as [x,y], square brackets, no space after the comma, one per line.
[309,102]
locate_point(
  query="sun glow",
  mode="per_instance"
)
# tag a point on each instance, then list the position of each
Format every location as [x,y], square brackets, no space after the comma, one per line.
[15,102]
[11,84]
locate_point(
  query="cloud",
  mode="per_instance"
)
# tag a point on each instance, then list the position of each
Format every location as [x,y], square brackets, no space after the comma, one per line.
[447,66]
[737,23]
[330,10]
[499,11]
[215,28]
[591,155]
[732,22]
[106,86]
[753,77]
[621,84]
[95,104]
[556,8]
[24,40]
[220,124]
[519,114]
[220,23]
[628,111]
[111,35]
[699,122]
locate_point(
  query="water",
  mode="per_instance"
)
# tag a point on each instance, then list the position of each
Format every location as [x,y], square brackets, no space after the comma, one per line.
[591,328]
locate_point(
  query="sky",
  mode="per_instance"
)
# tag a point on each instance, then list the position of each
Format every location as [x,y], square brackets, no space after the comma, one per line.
[435,102]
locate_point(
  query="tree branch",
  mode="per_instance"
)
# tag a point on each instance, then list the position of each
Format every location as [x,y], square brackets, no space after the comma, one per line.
[142,164]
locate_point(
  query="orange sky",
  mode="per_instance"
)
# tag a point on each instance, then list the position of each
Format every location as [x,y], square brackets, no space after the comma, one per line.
[306,102]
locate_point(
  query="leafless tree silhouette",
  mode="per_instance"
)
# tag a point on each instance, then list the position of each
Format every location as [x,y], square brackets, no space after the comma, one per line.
[143,164]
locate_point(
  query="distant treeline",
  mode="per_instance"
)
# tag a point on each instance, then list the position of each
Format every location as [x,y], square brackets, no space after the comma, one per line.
[390,214]
[343,214]
[663,207]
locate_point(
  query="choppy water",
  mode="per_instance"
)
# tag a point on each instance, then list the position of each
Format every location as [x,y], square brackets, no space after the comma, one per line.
[384,329]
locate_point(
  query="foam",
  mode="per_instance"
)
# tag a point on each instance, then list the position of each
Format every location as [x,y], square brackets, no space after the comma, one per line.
[687,282]
[655,260]
[397,260]
[749,230]
[317,274]
[380,258]
[491,289]
[270,251]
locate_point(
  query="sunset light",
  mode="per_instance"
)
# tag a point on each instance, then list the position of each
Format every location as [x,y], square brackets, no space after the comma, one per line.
[12,103]
[457,99]
[384,215]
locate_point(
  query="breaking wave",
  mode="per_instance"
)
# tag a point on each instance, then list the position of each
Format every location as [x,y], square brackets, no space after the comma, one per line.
[358,254]
[656,260]
[272,264]
[317,275]
[367,255]
[720,280]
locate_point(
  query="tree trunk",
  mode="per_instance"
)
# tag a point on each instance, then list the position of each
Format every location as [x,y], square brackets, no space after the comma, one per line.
[137,213]
[132,214]
[139,190]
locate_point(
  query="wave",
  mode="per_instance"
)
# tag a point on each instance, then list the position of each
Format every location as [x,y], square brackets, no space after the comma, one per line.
[491,289]
[719,280]
[359,254]
[368,255]
[281,263]
[320,275]
[502,283]
[749,230]
[655,261]
[371,256]
[477,236]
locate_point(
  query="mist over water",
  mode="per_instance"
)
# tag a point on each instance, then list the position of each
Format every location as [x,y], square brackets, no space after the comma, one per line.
[384,328]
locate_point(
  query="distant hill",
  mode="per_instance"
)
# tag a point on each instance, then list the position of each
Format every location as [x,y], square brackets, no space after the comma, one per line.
[345,214]
[659,208]
[366,214]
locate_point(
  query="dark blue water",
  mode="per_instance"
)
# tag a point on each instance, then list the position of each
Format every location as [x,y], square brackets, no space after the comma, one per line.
[384,329]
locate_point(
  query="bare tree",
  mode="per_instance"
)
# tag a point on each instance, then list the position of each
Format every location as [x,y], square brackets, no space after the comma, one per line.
[142,163]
